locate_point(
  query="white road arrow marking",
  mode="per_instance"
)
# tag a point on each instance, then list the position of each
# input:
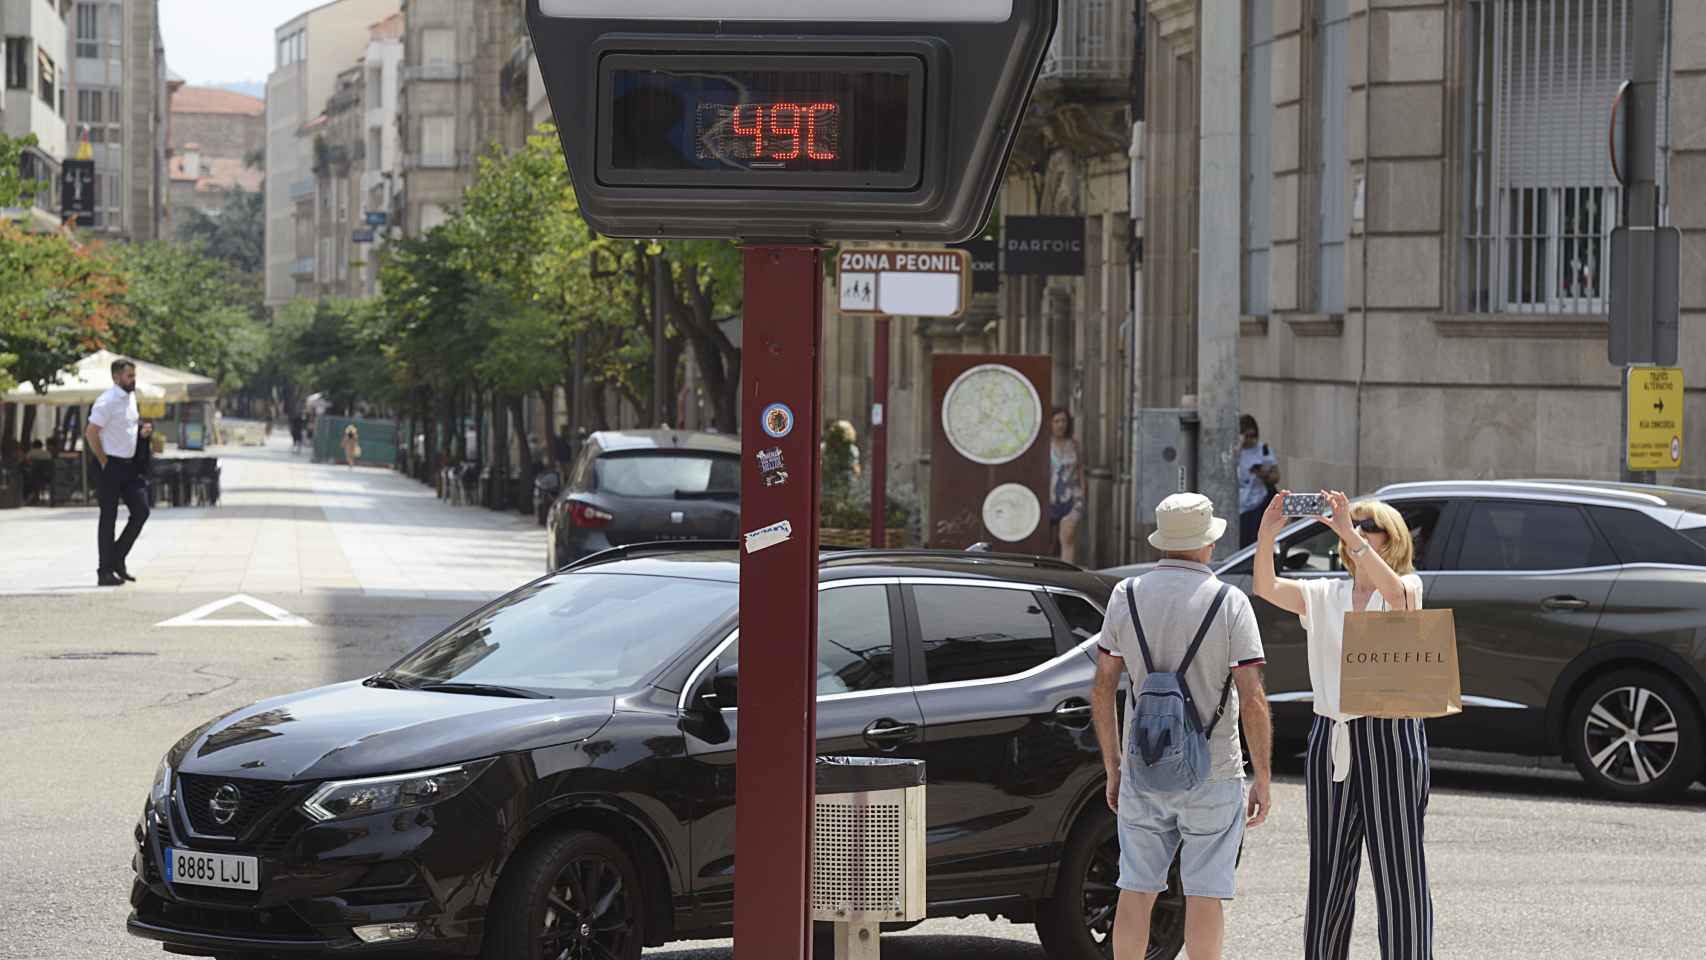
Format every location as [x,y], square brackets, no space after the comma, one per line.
[274,616]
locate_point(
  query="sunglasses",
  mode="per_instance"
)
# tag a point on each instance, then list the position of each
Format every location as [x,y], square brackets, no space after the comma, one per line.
[1369,525]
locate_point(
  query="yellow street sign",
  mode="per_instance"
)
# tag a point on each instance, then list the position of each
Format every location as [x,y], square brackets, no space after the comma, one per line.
[1655,418]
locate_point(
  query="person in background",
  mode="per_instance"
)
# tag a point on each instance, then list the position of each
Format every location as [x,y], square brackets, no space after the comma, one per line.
[37,452]
[351,445]
[112,438]
[1066,484]
[1366,779]
[1258,476]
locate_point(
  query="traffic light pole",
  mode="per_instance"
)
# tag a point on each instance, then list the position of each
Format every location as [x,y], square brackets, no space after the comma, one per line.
[781,373]
[879,465]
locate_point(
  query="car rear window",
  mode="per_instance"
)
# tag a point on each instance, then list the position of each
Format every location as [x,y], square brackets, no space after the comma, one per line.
[1638,538]
[668,474]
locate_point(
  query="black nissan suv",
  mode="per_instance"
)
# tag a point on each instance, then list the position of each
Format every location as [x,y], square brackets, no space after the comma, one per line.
[558,767]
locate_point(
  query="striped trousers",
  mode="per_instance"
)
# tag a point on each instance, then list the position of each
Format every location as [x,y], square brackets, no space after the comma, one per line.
[1384,802]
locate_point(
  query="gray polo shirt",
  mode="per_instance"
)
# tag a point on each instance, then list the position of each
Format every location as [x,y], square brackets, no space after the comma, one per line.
[1172,600]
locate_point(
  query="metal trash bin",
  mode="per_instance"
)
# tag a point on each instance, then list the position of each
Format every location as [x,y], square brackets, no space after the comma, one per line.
[867,848]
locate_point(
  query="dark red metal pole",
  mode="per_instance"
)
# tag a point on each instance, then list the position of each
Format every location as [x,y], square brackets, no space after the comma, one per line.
[880,433]
[781,347]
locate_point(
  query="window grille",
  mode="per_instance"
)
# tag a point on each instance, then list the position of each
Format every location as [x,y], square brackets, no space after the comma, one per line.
[1542,196]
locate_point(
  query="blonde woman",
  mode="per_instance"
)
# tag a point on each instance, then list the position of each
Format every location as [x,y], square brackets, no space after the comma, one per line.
[352,446]
[1367,779]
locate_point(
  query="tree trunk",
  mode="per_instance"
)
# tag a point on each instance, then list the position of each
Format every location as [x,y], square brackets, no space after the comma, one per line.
[548,402]
[524,493]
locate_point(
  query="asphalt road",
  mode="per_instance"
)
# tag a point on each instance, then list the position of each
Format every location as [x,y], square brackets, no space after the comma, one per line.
[1524,864]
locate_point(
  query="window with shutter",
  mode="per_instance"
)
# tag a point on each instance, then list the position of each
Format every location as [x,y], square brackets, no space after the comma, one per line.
[438,47]
[1332,95]
[1258,155]
[438,136]
[1542,196]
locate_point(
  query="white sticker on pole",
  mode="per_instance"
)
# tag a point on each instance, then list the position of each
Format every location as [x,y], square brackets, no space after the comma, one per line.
[766,537]
[903,283]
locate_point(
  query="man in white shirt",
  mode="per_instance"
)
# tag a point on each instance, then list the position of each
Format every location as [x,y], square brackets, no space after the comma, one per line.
[112,436]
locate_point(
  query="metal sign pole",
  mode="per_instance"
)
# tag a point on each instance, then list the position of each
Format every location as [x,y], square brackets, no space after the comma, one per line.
[781,373]
[1641,197]
[879,465]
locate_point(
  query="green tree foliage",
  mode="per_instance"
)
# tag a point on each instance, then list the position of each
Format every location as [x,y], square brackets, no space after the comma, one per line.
[236,234]
[191,312]
[58,302]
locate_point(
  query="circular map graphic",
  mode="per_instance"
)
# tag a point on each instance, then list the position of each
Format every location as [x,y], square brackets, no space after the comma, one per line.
[992,414]
[1012,512]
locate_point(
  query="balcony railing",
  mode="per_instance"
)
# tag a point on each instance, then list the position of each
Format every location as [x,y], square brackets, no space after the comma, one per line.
[303,267]
[303,189]
[434,71]
[1093,40]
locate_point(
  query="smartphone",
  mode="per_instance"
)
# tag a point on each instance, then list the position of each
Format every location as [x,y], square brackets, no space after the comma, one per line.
[1305,505]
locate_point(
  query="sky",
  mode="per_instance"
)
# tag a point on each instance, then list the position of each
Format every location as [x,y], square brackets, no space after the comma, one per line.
[224,41]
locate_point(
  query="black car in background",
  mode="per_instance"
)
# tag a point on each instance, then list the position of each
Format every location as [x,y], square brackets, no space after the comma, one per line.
[559,767]
[645,486]
[1581,622]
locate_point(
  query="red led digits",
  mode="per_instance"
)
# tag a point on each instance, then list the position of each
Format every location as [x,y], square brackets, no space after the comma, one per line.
[755,130]
[771,133]
[829,111]
[789,129]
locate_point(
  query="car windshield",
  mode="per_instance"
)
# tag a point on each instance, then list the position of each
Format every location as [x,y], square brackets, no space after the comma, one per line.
[581,633]
[668,474]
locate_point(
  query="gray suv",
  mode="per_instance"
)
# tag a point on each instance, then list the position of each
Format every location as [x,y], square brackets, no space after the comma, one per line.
[1581,622]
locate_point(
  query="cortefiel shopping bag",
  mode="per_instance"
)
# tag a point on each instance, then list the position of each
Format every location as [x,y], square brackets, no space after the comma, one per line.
[1400,664]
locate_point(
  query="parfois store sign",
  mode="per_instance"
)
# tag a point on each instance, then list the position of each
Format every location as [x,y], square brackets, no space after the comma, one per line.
[1043,246]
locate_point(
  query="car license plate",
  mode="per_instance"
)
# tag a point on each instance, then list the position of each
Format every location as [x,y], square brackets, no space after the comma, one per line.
[212,870]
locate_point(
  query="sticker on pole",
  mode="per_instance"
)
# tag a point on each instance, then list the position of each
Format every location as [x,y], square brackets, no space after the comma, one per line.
[904,283]
[1655,418]
[766,537]
[777,420]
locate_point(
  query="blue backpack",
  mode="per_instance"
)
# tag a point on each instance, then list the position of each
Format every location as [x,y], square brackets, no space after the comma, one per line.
[1167,749]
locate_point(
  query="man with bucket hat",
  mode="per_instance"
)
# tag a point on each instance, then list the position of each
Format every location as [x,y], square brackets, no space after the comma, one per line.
[1176,778]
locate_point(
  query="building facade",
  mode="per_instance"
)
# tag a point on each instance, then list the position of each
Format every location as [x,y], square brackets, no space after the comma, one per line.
[381,177]
[312,50]
[1426,228]
[217,138]
[118,102]
[340,156]
[33,98]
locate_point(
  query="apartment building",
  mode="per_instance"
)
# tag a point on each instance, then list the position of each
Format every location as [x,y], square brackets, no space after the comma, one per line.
[118,99]
[312,49]
[32,98]
[1427,213]
[216,140]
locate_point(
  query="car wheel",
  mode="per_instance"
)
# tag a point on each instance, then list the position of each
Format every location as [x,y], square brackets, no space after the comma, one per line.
[569,894]
[1635,735]
[1077,923]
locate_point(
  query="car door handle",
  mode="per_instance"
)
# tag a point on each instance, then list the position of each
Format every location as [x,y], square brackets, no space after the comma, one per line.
[1563,603]
[1073,712]
[890,733]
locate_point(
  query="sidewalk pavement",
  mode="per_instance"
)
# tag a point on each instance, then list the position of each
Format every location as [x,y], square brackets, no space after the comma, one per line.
[286,525]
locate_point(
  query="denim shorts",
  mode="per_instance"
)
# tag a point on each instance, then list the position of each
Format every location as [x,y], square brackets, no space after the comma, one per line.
[1207,822]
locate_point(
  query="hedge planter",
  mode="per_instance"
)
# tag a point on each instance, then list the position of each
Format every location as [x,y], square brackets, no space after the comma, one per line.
[847,537]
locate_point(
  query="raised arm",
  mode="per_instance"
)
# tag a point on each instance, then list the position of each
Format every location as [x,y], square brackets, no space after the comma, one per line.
[1269,585]
[1369,562]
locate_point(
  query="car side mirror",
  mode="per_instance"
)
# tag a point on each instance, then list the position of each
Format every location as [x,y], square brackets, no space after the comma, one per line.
[725,688]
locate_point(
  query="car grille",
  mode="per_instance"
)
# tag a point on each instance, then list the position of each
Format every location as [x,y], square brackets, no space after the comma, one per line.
[256,799]
[281,923]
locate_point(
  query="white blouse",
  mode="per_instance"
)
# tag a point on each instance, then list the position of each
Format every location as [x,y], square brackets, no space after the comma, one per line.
[1325,603]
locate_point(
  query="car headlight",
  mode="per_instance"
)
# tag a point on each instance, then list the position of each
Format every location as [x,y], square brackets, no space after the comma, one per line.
[338,799]
[162,784]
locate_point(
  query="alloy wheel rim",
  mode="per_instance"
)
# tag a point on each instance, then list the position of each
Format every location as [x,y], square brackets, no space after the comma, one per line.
[1101,895]
[588,913]
[1631,736]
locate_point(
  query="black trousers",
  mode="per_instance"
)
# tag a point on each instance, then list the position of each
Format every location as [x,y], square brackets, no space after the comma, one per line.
[1383,804]
[120,481]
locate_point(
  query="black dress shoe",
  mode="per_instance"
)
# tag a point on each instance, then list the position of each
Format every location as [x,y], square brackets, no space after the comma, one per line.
[125,575]
[110,580]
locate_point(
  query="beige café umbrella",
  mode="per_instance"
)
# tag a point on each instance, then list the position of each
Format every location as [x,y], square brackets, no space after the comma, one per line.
[92,375]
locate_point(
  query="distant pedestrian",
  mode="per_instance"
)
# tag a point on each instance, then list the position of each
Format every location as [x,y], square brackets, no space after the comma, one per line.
[352,446]
[296,426]
[1066,484]
[1258,478]
[112,435]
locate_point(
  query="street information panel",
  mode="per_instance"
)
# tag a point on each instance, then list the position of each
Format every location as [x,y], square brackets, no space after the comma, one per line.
[1655,418]
[787,125]
[903,283]
[789,120]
